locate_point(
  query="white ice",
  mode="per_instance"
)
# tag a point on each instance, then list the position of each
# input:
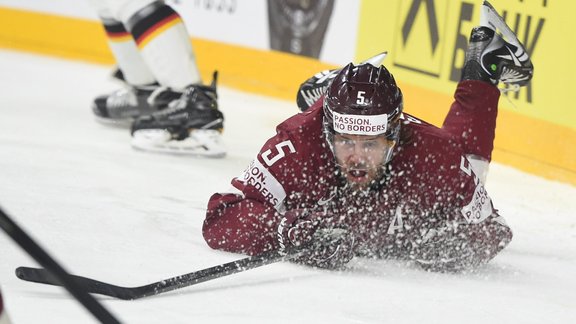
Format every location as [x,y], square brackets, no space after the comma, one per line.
[130,218]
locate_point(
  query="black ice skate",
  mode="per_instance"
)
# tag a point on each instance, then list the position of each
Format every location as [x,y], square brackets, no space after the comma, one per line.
[123,106]
[312,89]
[191,124]
[491,58]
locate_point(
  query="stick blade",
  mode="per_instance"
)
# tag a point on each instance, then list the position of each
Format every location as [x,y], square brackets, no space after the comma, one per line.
[92,286]
[36,275]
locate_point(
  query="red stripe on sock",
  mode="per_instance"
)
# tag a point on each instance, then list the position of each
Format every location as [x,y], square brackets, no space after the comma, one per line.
[115,36]
[143,39]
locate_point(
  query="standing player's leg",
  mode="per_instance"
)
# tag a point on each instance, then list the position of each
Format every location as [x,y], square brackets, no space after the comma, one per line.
[130,101]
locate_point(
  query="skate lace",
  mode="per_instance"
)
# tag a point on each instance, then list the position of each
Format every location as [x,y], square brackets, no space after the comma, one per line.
[122,98]
[181,103]
[509,88]
[212,123]
[158,92]
[173,107]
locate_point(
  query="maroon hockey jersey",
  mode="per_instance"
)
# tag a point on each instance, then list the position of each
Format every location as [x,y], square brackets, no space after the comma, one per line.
[429,207]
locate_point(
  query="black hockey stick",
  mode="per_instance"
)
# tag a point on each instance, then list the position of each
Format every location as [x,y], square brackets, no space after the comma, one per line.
[189,279]
[57,274]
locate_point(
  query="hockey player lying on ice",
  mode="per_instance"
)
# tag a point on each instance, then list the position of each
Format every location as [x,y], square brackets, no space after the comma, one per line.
[353,175]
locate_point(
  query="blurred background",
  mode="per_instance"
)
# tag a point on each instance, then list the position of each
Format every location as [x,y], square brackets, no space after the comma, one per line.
[270,46]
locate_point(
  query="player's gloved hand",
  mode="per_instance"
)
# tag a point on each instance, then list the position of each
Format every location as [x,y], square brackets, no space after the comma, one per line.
[327,245]
[456,247]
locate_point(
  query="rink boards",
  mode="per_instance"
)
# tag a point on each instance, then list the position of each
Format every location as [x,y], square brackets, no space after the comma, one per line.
[535,132]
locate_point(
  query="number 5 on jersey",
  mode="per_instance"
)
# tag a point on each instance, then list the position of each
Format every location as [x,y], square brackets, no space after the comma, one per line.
[270,157]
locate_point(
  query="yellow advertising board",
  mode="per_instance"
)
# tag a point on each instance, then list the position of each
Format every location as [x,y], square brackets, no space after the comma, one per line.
[427,39]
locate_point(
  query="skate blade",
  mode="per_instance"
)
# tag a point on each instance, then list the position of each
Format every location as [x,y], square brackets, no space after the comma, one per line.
[375,60]
[489,17]
[119,123]
[200,143]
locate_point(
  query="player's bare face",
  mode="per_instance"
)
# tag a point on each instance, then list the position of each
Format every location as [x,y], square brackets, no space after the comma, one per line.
[361,157]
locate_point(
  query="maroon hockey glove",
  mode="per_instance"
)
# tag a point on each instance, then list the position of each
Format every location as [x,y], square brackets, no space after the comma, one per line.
[456,248]
[329,245]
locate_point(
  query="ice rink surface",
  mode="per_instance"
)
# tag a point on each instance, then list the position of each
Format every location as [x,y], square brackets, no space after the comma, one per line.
[131,218]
